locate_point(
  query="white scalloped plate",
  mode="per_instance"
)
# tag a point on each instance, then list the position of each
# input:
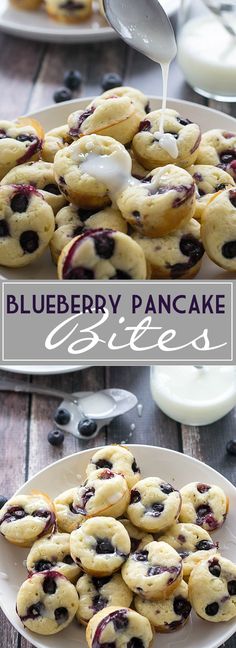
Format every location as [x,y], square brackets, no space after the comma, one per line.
[172,466]
[56,115]
[36,25]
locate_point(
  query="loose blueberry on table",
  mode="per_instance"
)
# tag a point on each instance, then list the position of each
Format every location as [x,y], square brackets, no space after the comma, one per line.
[73,79]
[62,94]
[111,80]
[56,437]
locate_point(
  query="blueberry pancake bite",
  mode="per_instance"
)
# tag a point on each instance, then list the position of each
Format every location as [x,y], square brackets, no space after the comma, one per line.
[39,175]
[20,142]
[218,229]
[161,203]
[97,593]
[191,542]
[52,553]
[154,505]
[69,11]
[118,627]
[84,170]
[46,603]
[139,99]
[218,148]
[138,171]
[68,518]
[154,572]
[209,180]
[168,614]
[100,546]
[26,225]
[212,589]
[203,504]
[114,116]
[55,140]
[28,5]
[185,140]
[26,518]
[102,254]
[103,493]
[116,458]
[138,538]
[72,221]
[177,255]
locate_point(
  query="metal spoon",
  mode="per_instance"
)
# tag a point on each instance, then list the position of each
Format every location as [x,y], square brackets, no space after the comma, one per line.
[144,25]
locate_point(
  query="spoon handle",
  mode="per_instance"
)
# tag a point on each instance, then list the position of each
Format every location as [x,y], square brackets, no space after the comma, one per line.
[27,388]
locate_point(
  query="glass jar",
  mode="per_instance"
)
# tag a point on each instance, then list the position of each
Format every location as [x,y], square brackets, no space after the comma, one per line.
[207,47]
[194,395]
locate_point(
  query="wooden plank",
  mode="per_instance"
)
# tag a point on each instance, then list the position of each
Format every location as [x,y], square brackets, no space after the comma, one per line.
[20,60]
[152,427]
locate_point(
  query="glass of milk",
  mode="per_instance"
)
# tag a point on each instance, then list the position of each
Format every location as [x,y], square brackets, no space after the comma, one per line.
[207,47]
[194,395]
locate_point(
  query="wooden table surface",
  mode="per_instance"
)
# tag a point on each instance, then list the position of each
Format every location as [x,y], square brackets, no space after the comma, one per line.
[29,74]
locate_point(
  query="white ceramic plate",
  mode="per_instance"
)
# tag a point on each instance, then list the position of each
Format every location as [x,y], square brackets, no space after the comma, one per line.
[38,370]
[56,115]
[36,25]
[172,466]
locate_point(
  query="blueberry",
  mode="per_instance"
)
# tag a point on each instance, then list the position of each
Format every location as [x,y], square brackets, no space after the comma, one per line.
[111,80]
[104,245]
[232,587]
[62,416]
[232,197]
[145,125]
[183,122]
[4,229]
[25,138]
[212,609]
[181,606]
[121,622]
[229,250]
[202,512]
[166,488]
[63,94]
[98,582]
[204,545]
[19,203]
[73,79]
[52,188]
[56,437]
[35,611]
[87,427]
[231,447]
[103,463]
[135,642]
[104,546]
[156,509]
[135,496]
[99,602]
[29,241]
[3,500]
[203,488]
[61,615]
[141,556]
[134,467]
[191,247]
[68,560]
[215,569]
[43,565]
[120,274]
[49,585]
[79,274]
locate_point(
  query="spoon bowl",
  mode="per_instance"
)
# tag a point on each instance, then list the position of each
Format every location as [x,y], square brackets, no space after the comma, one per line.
[145,26]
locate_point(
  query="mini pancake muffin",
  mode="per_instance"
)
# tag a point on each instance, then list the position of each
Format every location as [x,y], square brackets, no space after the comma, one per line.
[218,229]
[120,627]
[204,504]
[191,542]
[100,546]
[28,5]
[177,255]
[102,254]
[209,180]
[154,504]
[212,589]
[69,11]
[46,603]
[146,143]
[138,538]
[116,458]
[139,98]
[26,225]
[55,140]
[154,572]
[162,202]
[20,141]
[39,175]
[72,221]
[98,593]
[82,170]
[52,553]
[168,614]
[26,518]
[114,116]
[218,147]
[68,518]
[103,493]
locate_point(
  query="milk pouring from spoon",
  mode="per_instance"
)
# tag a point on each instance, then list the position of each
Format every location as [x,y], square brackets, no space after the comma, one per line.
[144,25]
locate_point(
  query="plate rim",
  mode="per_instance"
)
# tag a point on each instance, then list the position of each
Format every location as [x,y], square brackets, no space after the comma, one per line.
[168,451]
